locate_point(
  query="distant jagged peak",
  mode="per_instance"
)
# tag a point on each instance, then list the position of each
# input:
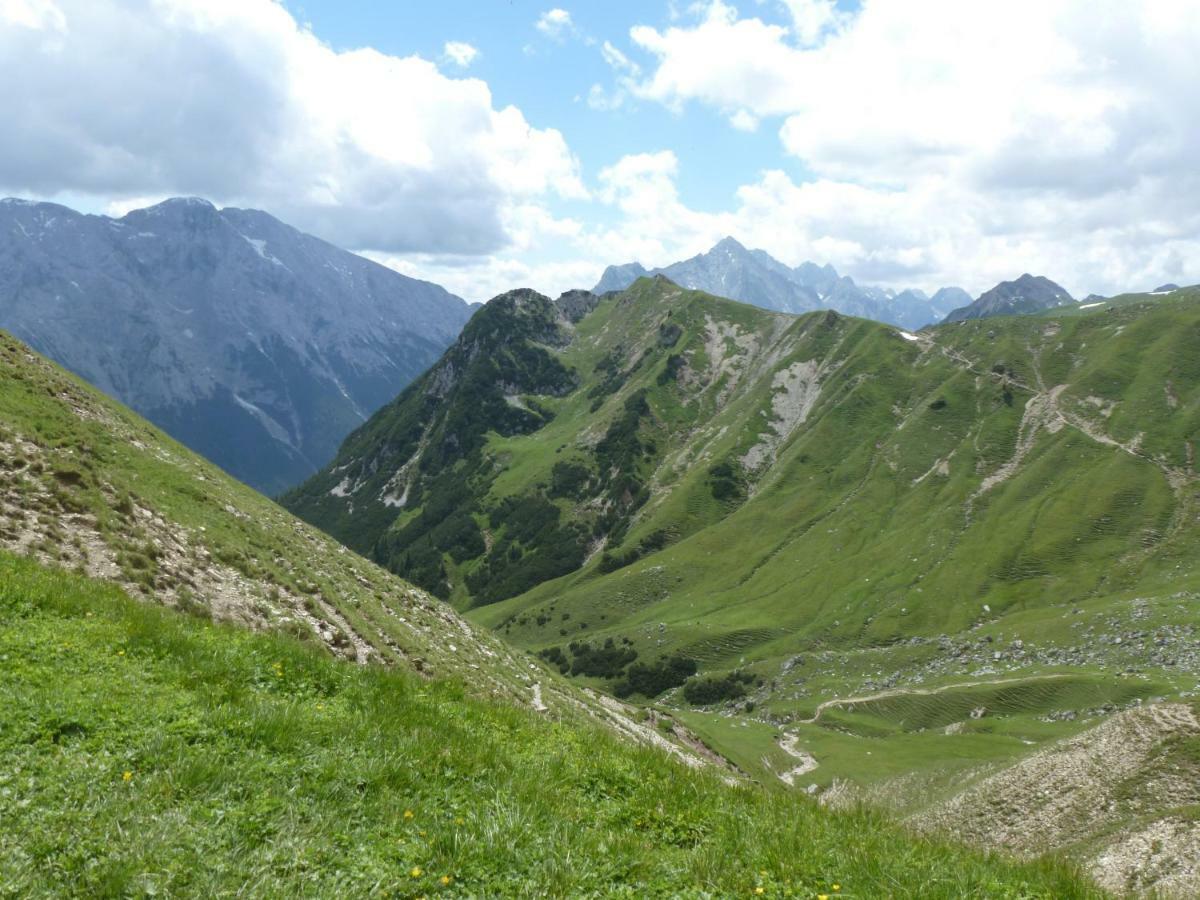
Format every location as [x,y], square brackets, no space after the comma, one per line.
[619,277]
[729,244]
[19,203]
[754,276]
[955,294]
[1021,296]
[184,302]
[812,269]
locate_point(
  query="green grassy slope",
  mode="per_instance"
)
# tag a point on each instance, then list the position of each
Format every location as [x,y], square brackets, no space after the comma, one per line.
[837,509]
[87,485]
[146,753]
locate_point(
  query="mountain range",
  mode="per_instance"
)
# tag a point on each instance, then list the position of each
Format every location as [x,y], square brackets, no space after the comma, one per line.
[870,563]
[257,345]
[754,276]
[925,571]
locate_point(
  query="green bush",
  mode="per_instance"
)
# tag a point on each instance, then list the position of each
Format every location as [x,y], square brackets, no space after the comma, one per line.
[705,691]
[650,680]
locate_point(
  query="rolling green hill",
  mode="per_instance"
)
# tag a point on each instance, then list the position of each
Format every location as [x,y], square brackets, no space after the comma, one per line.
[993,524]
[146,750]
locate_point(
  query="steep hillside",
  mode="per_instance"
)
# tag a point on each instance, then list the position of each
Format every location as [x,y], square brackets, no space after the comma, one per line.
[895,556]
[1026,295]
[1123,795]
[256,345]
[143,753]
[87,485]
[665,413]
[755,277]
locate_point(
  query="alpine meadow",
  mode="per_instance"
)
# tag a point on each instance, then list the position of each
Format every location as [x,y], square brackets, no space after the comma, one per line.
[643,450]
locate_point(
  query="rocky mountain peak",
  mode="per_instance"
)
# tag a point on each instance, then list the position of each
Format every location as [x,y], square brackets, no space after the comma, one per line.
[1022,296]
[226,328]
[731,270]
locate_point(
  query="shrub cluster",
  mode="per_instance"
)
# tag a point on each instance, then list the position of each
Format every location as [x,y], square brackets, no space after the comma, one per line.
[726,482]
[703,691]
[650,680]
[617,662]
[610,561]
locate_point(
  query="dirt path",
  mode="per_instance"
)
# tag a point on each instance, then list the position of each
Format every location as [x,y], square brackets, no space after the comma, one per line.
[1041,412]
[923,692]
[537,703]
[807,761]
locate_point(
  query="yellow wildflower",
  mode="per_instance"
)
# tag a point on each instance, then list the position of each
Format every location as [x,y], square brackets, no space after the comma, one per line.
[416,872]
[445,880]
[836,887]
[822,897]
[128,776]
[408,814]
[760,889]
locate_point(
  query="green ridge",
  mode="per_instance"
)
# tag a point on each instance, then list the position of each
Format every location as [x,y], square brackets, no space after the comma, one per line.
[986,500]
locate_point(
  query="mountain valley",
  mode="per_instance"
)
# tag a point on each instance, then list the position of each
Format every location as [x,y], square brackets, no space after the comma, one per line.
[869,563]
[203,693]
[650,451]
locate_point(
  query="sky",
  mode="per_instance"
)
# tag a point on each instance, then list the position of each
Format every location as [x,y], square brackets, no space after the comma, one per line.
[496,144]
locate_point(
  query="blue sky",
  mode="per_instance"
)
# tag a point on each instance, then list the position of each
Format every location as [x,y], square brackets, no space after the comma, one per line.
[492,145]
[549,79]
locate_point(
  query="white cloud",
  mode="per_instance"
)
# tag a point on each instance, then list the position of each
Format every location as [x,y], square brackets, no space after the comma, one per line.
[460,53]
[599,98]
[811,18]
[552,254]
[930,235]
[724,61]
[941,142]
[618,60]
[744,120]
[961,142]
[234,100]
[125,205]
[34,15]
[554,23]
[625,71]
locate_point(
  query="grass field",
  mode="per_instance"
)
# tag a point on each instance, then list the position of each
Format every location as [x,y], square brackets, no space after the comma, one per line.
[146,753]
